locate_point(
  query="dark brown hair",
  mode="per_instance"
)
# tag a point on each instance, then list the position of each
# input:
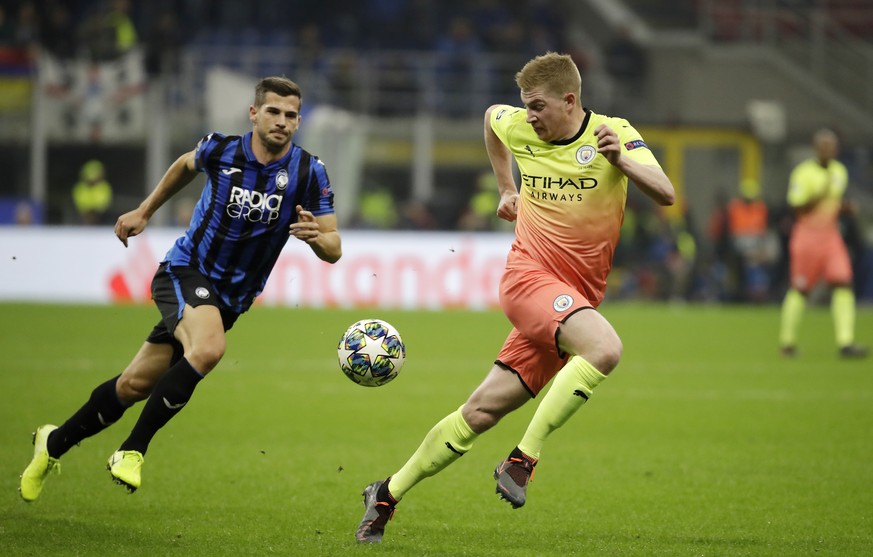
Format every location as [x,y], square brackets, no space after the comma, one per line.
[282,86]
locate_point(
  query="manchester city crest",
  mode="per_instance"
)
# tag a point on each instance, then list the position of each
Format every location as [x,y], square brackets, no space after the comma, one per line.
[562,302]
[585,154]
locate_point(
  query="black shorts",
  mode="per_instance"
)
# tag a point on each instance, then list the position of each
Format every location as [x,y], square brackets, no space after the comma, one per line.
[172,289]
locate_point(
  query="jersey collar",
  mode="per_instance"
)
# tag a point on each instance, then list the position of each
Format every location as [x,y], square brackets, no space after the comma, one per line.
[579,133]
[250,156]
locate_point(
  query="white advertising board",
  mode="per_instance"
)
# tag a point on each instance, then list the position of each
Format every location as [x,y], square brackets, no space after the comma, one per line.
[404,270]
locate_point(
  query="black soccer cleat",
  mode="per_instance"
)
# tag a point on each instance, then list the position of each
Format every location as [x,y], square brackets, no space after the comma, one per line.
[854,352]
[513,475]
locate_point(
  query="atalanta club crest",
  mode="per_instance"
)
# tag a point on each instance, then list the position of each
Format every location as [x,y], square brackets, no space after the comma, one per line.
[282,179]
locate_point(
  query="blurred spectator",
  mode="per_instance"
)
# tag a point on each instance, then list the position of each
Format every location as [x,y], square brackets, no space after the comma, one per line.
[720,260]
[109,32]
[342,73]
[24,214]
[163,42]
[416,215]
[93,103]
[92,194]
[376,210]
[7,28]
[310,50]
[457,51]
[681,262]
[23,30]
[626,58]
[748,226]
[626,62]
[853,235]
[398,86]
[57,31]
[481,212]
[493,20]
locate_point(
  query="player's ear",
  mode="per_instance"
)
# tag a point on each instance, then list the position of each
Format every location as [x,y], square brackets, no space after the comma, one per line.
[253,113]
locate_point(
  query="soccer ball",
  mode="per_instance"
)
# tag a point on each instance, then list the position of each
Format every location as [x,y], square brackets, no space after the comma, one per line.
[371,352]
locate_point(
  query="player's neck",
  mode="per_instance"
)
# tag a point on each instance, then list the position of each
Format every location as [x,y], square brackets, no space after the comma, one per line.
[263,154]
[574,125]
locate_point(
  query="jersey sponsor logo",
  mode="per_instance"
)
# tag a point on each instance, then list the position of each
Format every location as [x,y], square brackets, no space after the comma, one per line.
[585,154]
[253,206]
[631,145]
[282,179]
[558,182]
[563,302]
[557,188]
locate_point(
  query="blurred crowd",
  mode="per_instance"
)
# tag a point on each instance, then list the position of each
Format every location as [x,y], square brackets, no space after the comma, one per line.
[737,254]
[104,29]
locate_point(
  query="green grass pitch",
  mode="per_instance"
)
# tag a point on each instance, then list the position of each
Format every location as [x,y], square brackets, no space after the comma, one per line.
[704,441]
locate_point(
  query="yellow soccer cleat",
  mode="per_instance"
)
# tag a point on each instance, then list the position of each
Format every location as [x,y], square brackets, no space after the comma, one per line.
[125,467]
[33,477]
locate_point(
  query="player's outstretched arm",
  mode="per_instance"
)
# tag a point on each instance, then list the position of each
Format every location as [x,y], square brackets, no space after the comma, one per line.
[320,233]
[179,175]
[650,180]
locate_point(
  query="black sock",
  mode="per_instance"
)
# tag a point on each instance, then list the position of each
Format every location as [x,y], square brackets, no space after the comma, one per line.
[102,410]
[172,392]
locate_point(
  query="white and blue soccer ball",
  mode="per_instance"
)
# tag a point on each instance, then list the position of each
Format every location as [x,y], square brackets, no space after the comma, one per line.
[371,352]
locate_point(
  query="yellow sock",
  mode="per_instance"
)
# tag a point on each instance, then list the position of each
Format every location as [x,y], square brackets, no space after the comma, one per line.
[444,444]
[792,311]
[569,391]
[843,311]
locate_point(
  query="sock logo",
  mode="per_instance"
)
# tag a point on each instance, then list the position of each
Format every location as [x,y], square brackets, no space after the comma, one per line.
[454,450]
[173,406]
[577,392]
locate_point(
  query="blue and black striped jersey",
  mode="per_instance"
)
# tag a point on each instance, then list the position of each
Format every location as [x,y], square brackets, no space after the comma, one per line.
[240,223]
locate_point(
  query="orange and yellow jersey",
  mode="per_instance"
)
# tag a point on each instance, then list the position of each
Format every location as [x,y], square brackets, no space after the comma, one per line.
[571,199]
[811,182]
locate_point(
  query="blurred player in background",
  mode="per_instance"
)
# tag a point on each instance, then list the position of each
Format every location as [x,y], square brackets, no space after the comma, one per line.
[574,167]
[260,189]
[817,251]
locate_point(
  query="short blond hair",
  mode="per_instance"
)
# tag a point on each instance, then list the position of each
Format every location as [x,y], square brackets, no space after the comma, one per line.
[555,73]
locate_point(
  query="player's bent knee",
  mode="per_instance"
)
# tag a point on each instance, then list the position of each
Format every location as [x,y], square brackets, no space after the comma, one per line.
[607,356]
[131,389]
[480,420]
[205,358]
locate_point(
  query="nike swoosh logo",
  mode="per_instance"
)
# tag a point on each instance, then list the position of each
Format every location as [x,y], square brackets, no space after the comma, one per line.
[173,406]
[230,171]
